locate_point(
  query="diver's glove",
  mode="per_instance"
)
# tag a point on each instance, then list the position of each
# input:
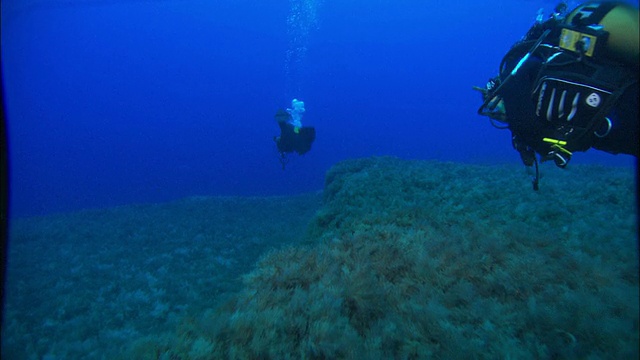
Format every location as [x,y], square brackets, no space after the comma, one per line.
[556,152]
[549,149]
[560,159]
[527,154]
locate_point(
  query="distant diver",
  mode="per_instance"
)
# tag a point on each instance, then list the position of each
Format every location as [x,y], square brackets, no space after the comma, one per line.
[570,84]
[293,136]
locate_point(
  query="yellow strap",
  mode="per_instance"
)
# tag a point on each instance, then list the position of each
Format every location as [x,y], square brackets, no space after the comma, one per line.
[554,141]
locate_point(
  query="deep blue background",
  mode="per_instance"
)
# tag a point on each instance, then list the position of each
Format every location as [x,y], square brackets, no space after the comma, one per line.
[116,102]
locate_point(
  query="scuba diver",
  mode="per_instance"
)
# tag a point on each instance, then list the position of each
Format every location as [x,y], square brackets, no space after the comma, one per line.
[293,136]
[569,85]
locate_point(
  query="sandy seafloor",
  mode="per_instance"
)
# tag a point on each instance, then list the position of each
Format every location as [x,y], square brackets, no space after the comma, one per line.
[394,259]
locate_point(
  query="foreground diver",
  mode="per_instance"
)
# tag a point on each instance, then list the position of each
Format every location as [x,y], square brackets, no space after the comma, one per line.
[570,84]
[293,136]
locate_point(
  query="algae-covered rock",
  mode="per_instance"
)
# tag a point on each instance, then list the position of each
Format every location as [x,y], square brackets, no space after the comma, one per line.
[416,260]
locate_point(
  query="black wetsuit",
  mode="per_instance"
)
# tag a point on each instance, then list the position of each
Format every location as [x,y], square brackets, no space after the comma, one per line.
[290,141]
[537,101]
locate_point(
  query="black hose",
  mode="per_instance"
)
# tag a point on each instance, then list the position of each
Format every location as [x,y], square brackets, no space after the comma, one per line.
[536,178]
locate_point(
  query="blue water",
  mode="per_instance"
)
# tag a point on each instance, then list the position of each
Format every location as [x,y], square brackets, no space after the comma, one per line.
[116,102]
